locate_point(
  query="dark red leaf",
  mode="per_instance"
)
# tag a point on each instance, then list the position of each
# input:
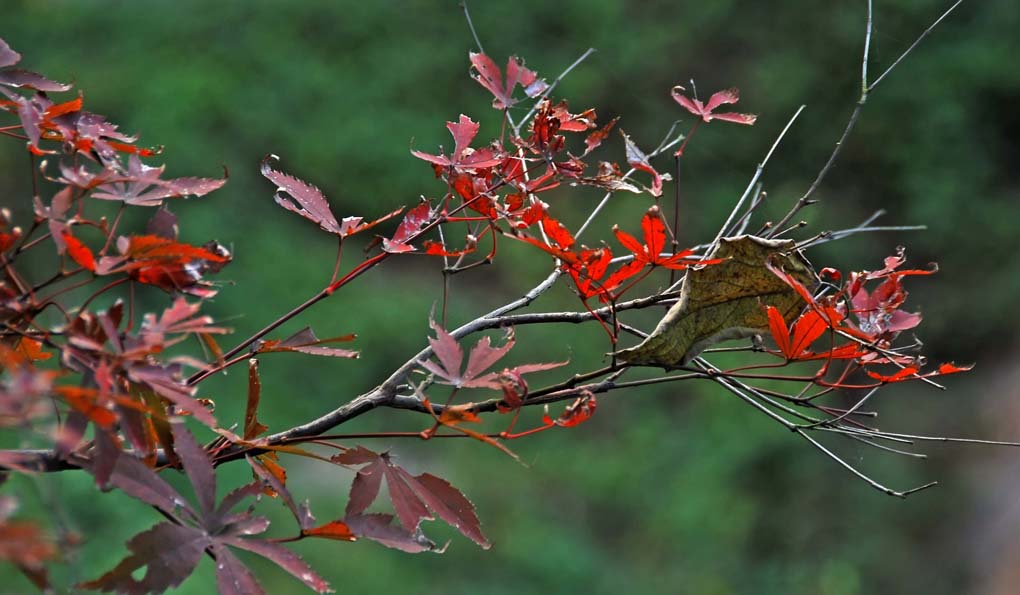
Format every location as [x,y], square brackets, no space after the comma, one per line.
[305,341]
[463,157]
[252,426]
[450,505]
[300,197]
[169,552]
[138,481]
[197,466]
[595,139]
[488,75]
[232,576]
[282,557]
[380,528]
[413,222]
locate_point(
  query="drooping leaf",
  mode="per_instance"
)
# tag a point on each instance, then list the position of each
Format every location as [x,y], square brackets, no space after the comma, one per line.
[282,557]
[414,221]
[252,426]
[639,161]
[380,528]
[197,466]
[450,505]
[725,301]
[305,341]
[232,576]
[300,197]
[594,139]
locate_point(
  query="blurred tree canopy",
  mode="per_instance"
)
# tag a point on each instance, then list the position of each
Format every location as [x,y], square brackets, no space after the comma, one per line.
[685,490]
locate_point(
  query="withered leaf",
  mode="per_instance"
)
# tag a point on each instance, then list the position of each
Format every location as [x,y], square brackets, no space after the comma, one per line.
[725,301]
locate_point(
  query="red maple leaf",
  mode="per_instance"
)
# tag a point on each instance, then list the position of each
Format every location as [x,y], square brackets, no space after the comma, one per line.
[650,253]
[414,497]
[414,221]
[488,75]
[463,158]
[706,110]
[483,356]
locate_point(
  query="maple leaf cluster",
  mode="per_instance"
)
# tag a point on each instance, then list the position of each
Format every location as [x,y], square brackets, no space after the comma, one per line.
[860,326]
[111,391]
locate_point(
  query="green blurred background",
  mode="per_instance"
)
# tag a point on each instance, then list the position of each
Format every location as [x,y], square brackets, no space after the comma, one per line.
[673,490]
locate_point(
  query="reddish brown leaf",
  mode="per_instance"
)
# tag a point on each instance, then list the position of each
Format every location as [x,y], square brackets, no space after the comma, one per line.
[705,110]
[576,413]
[282,557]
[305,341]
[593,140]
[197,466]
[639,161]
[300,197]
[455,414]
[463,158]
[488,75]
[450,505]
[380,528]
[252,426]
[232,576]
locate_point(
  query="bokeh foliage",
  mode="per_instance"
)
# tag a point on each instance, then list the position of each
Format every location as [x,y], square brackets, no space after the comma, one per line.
[680,490]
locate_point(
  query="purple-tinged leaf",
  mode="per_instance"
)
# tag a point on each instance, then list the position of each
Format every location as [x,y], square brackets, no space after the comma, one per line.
[483,356]
[238,495]
[449,353]
[8,57]
[365,487]
[302,515]
[410,509]
[284,558]
[138,481]
[232,576]
[450,505]
[379,528]
[197,466]
[15,77]
[169,553]
[300,197]
[305,341]
[162,224]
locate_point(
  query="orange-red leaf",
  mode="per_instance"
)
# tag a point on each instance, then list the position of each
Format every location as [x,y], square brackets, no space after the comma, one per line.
[337,530]
[79,252]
